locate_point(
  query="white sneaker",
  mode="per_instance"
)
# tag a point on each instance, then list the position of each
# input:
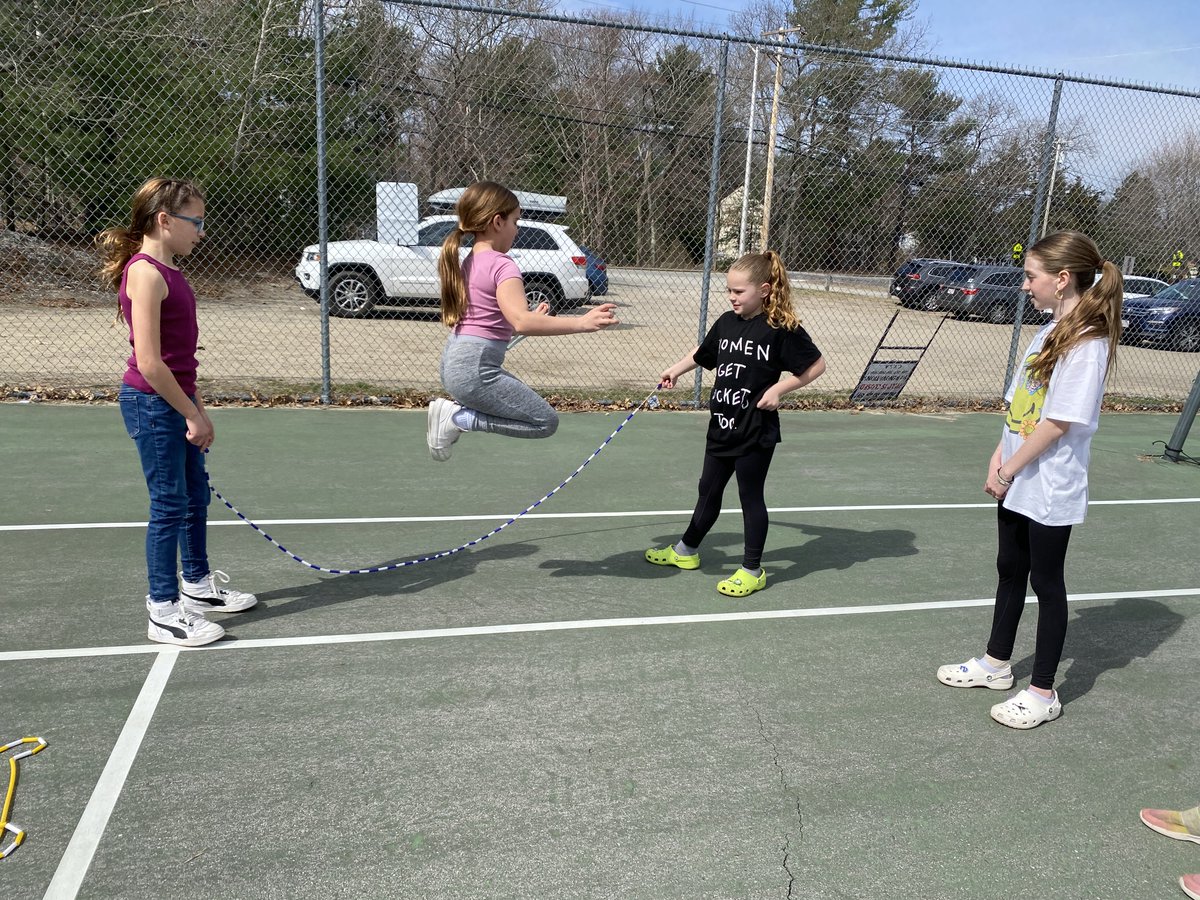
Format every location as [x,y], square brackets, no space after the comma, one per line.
[1025,709]
[170,623]
[973,674]
[440,430]
[205,596]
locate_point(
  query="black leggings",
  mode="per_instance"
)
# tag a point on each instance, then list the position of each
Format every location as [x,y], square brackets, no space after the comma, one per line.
[1033,553]
[751,469]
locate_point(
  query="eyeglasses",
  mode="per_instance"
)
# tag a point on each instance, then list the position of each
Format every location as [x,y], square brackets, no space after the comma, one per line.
[198,222]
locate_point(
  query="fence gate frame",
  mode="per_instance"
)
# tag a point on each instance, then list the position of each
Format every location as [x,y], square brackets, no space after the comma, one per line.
[890,383]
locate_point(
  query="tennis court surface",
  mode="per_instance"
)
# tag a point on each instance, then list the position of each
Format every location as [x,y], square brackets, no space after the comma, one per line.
[545,715]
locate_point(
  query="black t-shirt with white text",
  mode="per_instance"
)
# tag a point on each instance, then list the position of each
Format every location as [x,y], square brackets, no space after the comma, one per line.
[749,356]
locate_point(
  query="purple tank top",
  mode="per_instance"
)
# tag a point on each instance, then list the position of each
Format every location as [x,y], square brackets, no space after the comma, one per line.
[178,331]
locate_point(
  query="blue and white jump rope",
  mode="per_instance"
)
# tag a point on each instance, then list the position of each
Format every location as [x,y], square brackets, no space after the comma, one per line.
[651,402]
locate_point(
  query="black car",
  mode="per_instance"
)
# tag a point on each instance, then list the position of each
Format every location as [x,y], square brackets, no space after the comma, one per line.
[917,279]
[992,293]
[1171,318]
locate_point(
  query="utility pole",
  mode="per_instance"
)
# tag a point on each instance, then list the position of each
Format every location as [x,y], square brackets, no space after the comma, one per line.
[1058,149]
[749,149]
[766,215]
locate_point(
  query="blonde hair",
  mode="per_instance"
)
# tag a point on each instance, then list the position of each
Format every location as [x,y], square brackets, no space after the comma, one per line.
[116,246]
[476,208]
[1098,312]
[768,268]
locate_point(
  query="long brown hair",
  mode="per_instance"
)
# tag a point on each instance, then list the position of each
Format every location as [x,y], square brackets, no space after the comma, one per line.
[478,205]
[1097,314]
[117,245]
[768,268]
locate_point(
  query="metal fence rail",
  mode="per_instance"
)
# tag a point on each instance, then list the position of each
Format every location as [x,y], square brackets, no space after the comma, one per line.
[665,143]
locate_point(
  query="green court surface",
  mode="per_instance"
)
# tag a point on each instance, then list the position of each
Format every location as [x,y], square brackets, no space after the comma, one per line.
[545,715]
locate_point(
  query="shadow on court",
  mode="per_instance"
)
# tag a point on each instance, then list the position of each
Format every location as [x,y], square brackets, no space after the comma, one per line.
[1106,637]
[830,548]
[408,580]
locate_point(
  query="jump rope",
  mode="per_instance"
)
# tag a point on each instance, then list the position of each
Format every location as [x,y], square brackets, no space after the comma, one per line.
[650,402]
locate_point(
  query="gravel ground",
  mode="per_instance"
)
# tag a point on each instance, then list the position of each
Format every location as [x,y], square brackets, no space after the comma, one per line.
[260,333]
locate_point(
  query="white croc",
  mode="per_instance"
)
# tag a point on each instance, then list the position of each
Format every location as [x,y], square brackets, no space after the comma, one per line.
[1025,709]
[973,674]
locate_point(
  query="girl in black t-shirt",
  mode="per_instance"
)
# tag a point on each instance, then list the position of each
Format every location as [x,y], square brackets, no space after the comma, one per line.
[750,347]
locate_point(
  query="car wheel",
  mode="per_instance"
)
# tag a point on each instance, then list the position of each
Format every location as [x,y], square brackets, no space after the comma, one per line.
[352,294]
[999,314]
[1186,336]
[930,302]
[538,292]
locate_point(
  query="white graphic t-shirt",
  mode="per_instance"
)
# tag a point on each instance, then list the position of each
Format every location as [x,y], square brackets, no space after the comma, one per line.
[1053,489]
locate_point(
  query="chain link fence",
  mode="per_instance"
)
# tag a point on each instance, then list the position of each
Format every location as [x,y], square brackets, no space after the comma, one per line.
[663,153]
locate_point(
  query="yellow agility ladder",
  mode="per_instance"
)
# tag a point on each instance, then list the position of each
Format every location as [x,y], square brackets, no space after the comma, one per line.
[5,825]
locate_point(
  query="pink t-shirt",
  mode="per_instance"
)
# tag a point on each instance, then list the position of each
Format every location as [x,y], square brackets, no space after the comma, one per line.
[483,271]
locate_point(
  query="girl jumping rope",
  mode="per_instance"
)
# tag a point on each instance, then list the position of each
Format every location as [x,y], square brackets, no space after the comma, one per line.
[162,411]
[483,303]
[1038,472]
[750,347]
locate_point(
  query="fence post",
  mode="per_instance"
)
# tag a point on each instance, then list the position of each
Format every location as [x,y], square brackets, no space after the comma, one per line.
[1190,408]
[322,195]
[1035,222]
[710,227]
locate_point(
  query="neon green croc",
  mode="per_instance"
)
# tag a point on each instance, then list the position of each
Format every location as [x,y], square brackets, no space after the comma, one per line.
[668,557]
[742,584]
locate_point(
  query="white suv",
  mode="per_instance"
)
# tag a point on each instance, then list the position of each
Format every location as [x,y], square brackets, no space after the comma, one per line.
[365,274]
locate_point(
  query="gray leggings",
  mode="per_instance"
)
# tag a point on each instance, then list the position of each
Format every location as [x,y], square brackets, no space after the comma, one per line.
[473,374]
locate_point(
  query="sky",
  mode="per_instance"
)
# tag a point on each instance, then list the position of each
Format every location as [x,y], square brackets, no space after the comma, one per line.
[1151,42]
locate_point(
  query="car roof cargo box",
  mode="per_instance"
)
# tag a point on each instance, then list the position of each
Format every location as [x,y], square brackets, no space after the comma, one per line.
[540,207]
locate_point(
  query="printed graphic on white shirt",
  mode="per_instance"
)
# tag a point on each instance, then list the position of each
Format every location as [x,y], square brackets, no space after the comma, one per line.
[1029,396]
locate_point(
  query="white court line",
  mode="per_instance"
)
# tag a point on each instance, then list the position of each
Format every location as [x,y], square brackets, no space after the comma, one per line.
[570,625]
[627,514]
[82,847]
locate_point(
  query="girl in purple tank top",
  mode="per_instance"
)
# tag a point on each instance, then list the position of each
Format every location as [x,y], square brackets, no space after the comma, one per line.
[163,414]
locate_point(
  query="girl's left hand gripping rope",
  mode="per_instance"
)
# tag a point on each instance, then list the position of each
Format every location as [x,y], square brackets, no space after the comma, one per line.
[651,402]
[5,825]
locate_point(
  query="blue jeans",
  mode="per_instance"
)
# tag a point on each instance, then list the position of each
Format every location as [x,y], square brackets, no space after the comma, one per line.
[179,493]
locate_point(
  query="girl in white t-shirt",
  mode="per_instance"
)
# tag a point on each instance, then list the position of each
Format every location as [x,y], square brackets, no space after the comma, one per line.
[1038,472]
[483,303]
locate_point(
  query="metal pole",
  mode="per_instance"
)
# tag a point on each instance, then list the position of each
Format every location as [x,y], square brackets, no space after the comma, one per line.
[1014,346]
[749,148]
[1190,408]
[710,227]
[322,198]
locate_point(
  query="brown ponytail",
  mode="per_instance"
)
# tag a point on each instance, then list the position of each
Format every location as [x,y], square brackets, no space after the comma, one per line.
[116,246]
[454,286]
[1097,314]
[478,205]
[768,268]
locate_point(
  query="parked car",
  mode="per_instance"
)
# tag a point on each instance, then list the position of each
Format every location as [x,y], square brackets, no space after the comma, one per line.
[992,293]
[918,278]
[1171,318]
[597,271]
[1141,286]
[366,274]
